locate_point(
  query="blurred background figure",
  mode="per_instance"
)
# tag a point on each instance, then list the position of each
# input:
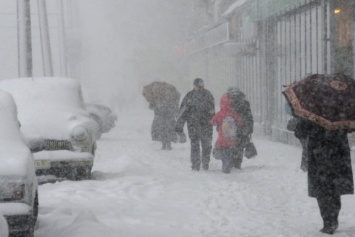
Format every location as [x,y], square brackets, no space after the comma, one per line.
[164,99]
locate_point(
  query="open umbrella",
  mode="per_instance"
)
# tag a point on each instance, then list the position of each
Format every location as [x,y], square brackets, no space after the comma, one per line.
[327,100]
[161,93]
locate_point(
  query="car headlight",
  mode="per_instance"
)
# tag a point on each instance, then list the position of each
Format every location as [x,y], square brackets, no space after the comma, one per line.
[18,192]
[80,133]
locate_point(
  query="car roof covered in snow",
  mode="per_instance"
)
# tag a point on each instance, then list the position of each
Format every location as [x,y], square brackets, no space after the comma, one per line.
[48,107]
[15,157]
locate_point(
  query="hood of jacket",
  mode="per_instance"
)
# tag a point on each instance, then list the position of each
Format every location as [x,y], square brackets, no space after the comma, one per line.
[225,103]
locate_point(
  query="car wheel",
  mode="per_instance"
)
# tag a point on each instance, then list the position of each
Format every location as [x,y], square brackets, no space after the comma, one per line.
[83,173]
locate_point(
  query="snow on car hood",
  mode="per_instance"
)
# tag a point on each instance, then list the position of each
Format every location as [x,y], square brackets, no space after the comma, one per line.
[15,157]
[48,107]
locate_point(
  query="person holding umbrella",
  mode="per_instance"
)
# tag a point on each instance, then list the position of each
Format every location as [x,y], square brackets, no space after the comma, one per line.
[197,109]
[325,105]
[163,99]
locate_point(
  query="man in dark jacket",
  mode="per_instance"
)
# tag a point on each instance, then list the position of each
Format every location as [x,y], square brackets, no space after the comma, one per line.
[197,109]
[241,106]
[330,173]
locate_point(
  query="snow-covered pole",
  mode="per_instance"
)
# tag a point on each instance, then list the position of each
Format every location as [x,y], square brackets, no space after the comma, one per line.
[45,41]
[24,38]
[62,40]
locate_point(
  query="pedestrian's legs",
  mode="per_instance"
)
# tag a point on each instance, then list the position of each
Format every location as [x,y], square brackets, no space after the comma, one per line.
[329,207]
[168,146]
[304,162]
[195,154]
[227,162]
[206,143]
[163,147]
[238,151]
[237,157]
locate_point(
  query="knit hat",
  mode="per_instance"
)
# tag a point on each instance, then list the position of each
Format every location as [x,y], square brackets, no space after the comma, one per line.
[199,82]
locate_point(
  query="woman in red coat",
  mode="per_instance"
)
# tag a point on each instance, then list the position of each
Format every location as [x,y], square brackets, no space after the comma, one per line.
[227,122]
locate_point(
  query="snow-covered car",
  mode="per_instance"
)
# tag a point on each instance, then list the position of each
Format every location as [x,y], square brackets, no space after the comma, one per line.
[103,116]
[54,121]
[18,181]
[4,230]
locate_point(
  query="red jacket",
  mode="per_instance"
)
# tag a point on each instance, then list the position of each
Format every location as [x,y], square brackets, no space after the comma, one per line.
[225,111]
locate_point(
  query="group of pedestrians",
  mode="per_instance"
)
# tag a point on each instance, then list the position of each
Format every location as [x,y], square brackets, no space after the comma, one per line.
[325,157]
[197,110]
[234,124]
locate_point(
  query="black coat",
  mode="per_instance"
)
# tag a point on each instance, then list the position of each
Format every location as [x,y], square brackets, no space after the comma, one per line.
[164,123]
[329,168]
[241,106]
[197,109]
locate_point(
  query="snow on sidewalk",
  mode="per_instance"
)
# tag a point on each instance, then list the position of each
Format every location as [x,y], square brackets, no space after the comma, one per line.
[139,190]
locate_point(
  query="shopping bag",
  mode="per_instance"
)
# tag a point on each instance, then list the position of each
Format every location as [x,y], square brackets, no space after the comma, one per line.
[250,150]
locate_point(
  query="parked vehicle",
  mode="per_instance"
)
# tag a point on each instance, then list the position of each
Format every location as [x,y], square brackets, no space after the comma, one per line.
[4,230]
[55,123]
[18,181]
[103,116]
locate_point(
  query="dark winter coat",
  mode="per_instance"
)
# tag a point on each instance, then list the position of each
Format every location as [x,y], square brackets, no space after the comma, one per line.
[197,109]
[164,123]
[329,162]
[241,106]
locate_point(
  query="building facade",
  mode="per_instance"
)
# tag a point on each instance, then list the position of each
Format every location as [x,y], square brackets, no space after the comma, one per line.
[261,46]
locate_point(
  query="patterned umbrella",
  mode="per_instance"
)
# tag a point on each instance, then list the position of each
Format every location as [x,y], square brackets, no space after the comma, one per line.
[327,100]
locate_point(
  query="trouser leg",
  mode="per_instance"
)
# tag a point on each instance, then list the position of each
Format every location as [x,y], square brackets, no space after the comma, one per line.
[329,207]
[206,143]
[227,161]
[304,162]
[238,151]
[168,145]
[195,154]
[237,157]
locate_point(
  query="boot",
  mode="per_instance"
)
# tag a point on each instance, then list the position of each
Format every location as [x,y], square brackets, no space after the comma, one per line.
[329,228]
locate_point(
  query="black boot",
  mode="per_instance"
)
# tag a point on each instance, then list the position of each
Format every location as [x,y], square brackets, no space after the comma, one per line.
[329,228]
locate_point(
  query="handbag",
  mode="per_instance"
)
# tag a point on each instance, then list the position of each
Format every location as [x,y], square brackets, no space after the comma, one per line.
[250,150]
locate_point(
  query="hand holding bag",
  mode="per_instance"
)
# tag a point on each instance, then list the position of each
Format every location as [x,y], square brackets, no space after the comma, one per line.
[250,149]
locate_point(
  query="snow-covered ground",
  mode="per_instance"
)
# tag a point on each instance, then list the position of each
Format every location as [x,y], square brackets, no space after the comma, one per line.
[139,190]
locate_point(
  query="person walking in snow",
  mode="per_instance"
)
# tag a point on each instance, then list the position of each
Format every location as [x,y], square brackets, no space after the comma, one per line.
[330,173]
[227,122]
[241,106]
[197,109]
[164,123]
